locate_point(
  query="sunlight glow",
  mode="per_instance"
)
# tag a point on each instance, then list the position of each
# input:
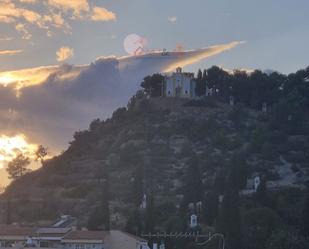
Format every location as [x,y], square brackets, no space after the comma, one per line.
[22,78]
[12,146]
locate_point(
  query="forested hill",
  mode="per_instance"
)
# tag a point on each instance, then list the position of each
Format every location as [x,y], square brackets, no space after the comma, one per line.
[185,151]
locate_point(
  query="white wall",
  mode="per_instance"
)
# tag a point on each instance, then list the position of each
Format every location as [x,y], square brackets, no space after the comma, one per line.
[82,246]
[178,80]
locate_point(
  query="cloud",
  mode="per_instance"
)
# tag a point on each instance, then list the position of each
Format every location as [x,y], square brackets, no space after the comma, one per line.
[50,15]
[6,38]
[77,6]
[56,101]
[197,55]
[11,146]
[22,28]
[102,14]
[10,52]
[24,78]
[172,18]
[82,10]
[28,1]
[64,53]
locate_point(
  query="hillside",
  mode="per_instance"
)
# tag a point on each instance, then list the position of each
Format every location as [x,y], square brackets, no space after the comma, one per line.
[159,137]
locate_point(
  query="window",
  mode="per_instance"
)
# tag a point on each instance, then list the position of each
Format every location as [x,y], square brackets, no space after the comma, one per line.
[79,246]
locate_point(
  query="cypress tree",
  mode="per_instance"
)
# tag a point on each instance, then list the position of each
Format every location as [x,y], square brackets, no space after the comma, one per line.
[199,83]
[204,80]
[193,187]
[100,217]
[229,219]
[150,215]
[238,172]
[211,206]
[8,209]
[105,206]
[134,223]
[138,186]
[305,223]
[261,194]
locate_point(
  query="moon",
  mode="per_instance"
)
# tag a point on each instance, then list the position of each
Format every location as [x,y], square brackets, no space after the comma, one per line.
[133,43]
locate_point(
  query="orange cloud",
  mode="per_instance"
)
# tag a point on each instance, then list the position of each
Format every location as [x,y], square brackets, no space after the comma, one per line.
[64,53]
[77,6]
[10,52]
[102,14]
[54,14]
[195,56]
[19,79]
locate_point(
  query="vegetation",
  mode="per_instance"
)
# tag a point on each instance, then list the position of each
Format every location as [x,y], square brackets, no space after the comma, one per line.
[18,167]
[41,153]
[201,150]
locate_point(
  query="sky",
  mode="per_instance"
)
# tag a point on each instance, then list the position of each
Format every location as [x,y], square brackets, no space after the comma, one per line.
[64,63]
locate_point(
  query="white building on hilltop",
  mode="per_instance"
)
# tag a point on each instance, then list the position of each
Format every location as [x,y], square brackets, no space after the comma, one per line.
[179,84]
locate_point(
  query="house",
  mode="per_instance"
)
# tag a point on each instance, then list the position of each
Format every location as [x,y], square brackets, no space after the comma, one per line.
[14,236]
[50,236]
[179,84]
[120,240]
[67,238]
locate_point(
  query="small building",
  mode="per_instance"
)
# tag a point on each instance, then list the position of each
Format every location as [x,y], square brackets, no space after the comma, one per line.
[62,234]
[50,236]
[143,204]
[179,84]
[120,240]
[193,221]
[84,240]
[257,182]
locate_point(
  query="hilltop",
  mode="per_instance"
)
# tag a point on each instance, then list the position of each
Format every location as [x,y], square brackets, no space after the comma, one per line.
[160,135]
[176,151]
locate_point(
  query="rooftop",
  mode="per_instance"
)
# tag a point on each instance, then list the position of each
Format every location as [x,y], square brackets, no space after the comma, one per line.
[86,235]
[12,230]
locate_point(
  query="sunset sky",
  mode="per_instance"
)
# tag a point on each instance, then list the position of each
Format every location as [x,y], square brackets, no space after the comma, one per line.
[57,73]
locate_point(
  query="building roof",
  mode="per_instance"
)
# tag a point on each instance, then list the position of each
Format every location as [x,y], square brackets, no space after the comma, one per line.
[12,230]
[51,232]
[118,239]
[54,230]
[85,236]
[65,221]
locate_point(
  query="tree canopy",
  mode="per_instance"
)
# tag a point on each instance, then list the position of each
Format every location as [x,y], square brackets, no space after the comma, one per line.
[18,166]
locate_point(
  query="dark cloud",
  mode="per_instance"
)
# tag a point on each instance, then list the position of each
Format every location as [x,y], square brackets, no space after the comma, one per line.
[71,96]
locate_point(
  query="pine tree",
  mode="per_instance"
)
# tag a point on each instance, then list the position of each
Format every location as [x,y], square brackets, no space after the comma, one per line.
[18,166]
